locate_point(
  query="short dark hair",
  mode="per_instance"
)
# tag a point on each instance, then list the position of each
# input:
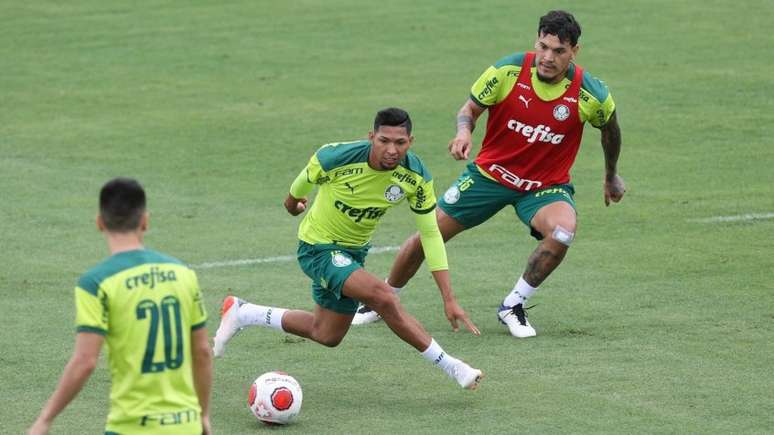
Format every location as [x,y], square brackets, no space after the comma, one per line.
[393,117]
[561,24]
[122,204]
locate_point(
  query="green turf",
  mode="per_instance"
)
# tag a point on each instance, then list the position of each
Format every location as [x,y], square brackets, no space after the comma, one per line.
[654,323]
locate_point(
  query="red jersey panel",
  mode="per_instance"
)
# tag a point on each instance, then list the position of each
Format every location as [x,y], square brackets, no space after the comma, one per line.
[529,143]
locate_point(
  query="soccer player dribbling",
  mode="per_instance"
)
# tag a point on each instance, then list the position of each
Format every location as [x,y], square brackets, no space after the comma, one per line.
[148,308]
[358,182]
[537,104]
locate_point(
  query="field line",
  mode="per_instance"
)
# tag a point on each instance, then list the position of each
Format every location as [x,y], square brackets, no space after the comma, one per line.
[277,259]
[737,218]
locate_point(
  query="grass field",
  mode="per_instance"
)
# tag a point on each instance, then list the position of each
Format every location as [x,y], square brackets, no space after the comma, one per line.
[657,322]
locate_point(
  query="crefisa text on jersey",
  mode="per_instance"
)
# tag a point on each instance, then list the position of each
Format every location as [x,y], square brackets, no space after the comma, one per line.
[403,177]
[149,279]
[541,132]
[373,213]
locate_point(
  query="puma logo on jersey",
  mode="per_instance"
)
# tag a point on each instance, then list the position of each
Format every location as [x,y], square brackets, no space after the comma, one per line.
[541,132]
[526,101]
[523,86]
[350,187]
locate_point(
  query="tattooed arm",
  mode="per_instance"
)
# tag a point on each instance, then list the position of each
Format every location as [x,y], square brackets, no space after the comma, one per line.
[459,147]
[614,186]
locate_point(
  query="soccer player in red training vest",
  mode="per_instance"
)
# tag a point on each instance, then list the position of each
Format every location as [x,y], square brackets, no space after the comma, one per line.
[538,103]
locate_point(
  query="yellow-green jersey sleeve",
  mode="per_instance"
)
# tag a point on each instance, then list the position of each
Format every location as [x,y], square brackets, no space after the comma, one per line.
[494,85]
[198,313]
[91,314]
[596,104]
[315,173]
[432,242]
[301,185]
[423,199]
[312,174]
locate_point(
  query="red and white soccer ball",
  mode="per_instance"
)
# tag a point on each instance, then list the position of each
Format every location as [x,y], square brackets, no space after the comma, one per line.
[275,397]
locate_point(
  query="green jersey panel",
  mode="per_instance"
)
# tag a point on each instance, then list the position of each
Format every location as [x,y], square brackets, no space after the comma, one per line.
[145,304]
[353,197]
[493,86]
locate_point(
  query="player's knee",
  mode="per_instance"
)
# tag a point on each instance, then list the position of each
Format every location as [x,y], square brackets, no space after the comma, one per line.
[384,300]
[560,228]
[329,340]
[563,234]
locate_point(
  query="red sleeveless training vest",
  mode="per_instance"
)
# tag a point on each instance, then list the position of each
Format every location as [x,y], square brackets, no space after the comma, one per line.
[529,143]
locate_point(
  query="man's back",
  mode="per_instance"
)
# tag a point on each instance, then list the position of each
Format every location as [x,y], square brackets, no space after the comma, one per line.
[145,304]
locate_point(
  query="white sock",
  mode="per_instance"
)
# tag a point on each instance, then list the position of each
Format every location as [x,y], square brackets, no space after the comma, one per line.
[520,293]
[435,354]
[252,314]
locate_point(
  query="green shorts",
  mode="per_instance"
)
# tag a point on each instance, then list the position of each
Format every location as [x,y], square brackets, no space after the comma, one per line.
[329,266]
[474,198]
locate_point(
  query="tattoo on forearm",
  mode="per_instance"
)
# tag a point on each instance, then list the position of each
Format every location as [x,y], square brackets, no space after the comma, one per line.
[465,121]
[611,144]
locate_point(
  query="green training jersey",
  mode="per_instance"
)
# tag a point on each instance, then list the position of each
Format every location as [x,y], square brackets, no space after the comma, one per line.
[353,197]
[146,304]
[495,84]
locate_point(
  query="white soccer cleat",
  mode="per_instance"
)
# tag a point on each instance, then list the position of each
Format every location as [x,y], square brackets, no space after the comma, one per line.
[365,315]
[515,318]
[468,377]
[229,324]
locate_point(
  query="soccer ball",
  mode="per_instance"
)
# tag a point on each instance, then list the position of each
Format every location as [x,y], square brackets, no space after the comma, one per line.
[275,397]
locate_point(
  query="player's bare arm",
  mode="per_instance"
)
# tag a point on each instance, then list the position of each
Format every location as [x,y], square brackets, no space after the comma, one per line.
[459,147]
[614,186]
[74,377]
[453,310]
[202,373]
[295,206]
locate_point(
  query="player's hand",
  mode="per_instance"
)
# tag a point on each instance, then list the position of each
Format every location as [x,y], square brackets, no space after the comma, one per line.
[206,428]
[456,314]
[40,427]
[614,189]
[459,147]
[295,206]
